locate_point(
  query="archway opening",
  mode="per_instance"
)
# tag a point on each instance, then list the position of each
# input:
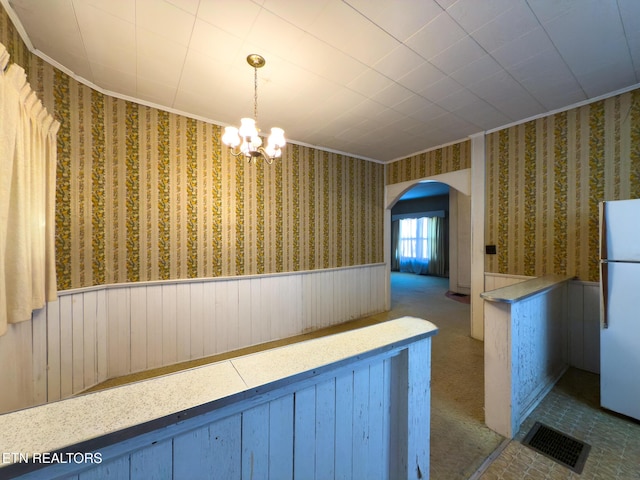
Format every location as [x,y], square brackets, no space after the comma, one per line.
[458,184]
[420,230]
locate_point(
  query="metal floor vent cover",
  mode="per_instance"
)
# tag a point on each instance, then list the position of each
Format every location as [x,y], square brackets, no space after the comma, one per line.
[557,446]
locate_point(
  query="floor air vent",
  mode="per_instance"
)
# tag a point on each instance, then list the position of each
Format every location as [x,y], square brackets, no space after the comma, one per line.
[557,446]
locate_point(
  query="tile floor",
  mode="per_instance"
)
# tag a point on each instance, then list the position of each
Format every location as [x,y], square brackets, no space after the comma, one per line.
[573,407]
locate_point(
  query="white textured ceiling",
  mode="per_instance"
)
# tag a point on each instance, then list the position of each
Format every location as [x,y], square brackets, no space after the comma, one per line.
[380,79]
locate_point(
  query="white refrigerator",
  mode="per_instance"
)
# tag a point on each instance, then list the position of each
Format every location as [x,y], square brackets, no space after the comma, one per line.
[620,306]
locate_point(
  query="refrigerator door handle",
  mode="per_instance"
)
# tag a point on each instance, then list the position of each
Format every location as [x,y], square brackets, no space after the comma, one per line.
[603,230]
[604,293]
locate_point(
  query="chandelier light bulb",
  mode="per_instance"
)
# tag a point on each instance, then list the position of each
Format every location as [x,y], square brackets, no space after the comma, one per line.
[277,137]
[231,137]
[247,128]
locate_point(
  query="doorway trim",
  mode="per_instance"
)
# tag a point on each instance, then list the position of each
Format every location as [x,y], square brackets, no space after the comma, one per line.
[463,181]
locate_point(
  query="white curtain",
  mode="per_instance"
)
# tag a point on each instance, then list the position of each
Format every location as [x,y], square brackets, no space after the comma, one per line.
[27,198]
[420,246]
[414,249]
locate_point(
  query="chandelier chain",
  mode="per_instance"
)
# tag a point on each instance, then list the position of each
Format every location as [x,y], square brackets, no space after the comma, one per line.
[255,94]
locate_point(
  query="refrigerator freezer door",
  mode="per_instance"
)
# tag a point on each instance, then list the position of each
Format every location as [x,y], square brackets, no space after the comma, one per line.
[620,342]
[621,230]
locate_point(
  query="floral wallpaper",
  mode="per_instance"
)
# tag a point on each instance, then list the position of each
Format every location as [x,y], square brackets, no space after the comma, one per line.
[153,195]
[434,162]
[544,182]
[144,194]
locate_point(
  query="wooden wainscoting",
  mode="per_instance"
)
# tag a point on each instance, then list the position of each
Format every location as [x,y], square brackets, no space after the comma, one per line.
[91,335]
[584,325]
[583,318]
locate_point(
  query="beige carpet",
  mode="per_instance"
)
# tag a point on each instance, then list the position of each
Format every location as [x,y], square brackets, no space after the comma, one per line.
[460,442]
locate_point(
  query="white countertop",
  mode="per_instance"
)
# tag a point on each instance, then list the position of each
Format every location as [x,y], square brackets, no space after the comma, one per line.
[520,291]
[54,426]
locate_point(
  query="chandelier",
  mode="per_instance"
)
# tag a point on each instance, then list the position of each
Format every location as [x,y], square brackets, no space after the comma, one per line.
[246,141]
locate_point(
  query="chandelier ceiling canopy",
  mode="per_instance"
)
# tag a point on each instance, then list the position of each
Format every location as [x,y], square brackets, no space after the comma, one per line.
[246,140]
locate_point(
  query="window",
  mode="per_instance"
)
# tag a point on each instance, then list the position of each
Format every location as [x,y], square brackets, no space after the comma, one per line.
[421,248]
[414,240]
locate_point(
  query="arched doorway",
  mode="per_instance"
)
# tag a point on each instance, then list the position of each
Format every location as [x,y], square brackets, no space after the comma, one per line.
[460,185]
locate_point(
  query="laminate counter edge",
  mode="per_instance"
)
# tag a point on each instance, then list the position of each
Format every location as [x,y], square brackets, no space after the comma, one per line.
[528,288]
